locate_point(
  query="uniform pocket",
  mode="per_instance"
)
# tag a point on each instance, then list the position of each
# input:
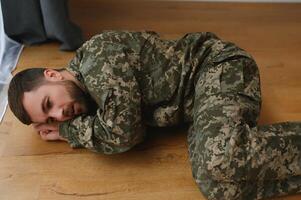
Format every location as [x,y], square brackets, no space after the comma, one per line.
[232,76]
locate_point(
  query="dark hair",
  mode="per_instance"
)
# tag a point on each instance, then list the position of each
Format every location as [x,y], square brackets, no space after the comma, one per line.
[24,81]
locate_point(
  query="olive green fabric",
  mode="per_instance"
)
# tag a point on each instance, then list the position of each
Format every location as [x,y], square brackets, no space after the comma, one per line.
[138,80]
[232,157]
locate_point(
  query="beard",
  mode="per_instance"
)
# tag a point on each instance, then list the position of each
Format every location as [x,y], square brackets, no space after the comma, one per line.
[87,105]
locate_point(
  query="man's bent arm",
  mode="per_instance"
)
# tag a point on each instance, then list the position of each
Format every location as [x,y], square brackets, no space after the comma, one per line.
[109,79]
[116,126]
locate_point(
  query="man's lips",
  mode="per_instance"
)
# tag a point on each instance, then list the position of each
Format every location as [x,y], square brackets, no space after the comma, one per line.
[72,110]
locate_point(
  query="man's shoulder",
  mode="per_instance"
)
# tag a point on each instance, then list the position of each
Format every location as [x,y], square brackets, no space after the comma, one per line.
[117,37]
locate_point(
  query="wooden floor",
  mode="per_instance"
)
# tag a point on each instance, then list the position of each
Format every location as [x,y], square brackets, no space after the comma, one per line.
[159,168]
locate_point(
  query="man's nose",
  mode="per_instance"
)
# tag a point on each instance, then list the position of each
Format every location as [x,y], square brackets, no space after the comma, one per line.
[57,114]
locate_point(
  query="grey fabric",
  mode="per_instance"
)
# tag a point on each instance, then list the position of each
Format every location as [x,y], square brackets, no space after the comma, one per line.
[37,21]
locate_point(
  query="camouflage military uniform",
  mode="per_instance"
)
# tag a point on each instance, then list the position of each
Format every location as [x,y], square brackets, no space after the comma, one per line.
[138,79]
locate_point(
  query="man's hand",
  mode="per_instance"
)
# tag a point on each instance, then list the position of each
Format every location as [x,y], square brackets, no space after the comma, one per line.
[48,131]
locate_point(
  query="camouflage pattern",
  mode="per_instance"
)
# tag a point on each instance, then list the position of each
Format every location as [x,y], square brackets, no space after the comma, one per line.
[138,80]
[232,157]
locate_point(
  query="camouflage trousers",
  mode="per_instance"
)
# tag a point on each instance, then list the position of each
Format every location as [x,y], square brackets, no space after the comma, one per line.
[231,156]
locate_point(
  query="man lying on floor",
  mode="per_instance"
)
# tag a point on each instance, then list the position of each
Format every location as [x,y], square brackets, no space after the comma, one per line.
[120,82]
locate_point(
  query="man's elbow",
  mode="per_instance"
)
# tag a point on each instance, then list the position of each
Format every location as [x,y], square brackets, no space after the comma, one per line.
[116,150]
[122,144]
[121,147]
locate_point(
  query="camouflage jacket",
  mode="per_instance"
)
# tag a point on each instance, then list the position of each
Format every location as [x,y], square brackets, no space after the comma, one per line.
[137,79]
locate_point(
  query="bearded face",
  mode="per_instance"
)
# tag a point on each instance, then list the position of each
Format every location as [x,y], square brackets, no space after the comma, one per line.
[55,101]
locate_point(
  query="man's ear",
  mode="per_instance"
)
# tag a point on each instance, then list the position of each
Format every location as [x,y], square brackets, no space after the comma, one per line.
[52,75]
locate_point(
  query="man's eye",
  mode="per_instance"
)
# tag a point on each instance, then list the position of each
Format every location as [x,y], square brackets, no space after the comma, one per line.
[48,104]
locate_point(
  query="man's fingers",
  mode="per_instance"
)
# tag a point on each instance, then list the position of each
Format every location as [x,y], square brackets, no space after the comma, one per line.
[52,135]
[38,126]
[44,126]
[49,135]
[48,131]
[43,134]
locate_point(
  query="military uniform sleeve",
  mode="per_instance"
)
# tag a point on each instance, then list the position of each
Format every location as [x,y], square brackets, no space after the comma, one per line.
[116,127]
